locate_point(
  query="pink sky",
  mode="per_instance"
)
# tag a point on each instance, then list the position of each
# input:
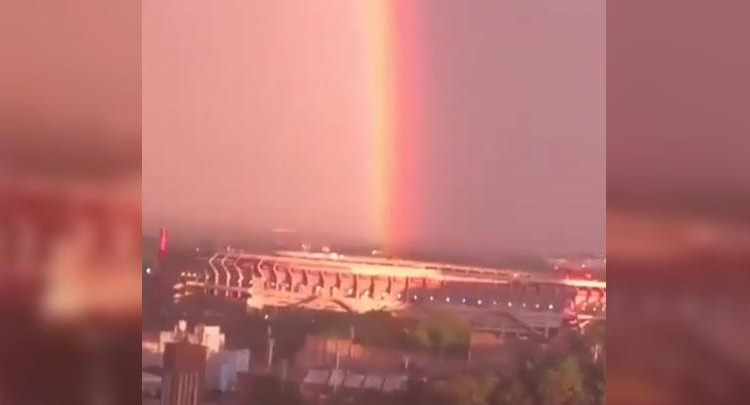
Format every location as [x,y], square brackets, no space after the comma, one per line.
[255,114]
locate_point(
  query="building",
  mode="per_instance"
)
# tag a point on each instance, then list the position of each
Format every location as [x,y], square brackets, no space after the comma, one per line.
[208,336]
[320,384]
[222,366]
[538,302]
[184,374]
[222,369]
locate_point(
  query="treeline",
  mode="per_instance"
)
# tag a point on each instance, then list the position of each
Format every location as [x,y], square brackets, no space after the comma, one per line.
[571,372]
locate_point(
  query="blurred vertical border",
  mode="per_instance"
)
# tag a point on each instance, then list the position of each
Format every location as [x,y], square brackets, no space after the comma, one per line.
[70,216]
[678,202]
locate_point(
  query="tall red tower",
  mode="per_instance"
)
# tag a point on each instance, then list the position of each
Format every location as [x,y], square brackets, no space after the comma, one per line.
[162,242]
[163,245]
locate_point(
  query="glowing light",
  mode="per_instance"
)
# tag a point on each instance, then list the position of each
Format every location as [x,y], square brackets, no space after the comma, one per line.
[396,98]
[148,270]
[447,299]
[479,302]
[163,240]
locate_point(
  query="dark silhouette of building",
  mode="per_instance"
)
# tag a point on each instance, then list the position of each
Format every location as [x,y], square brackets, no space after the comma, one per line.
[184,373]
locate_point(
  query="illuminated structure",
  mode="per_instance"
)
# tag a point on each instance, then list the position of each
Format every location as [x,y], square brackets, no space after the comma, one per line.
[70,231]
[504,300]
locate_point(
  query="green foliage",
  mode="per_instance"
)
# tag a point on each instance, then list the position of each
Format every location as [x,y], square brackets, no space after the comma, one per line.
[567,377]
[515,394]
[564,384]
[441,331]
[541,380]
[595,332]
[594,337]
[467,390]
[381,329]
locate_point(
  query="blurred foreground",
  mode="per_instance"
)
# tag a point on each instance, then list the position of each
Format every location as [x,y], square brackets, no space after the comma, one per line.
[679,310]
[70,295]
[70,202]
[678,203]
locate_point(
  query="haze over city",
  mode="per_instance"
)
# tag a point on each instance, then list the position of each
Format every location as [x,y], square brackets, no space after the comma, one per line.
[500,136]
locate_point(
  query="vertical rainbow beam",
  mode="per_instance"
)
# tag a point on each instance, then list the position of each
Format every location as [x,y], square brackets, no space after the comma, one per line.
[410,134]
[397,98]
[381,93]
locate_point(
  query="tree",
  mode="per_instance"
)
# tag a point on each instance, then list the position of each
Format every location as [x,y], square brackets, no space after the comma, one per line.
[378,328]
[517,393]
[594,337]
[467,390]
[564,384]
[441,331]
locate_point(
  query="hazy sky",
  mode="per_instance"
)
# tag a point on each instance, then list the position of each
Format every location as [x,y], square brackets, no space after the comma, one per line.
[255,115]
[70,72]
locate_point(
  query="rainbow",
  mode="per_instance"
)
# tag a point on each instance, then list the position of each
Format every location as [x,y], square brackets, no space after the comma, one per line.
[396,98]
